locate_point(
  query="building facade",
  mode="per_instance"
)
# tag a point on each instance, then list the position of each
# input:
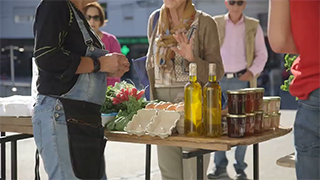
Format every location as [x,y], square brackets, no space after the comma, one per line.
[128,21]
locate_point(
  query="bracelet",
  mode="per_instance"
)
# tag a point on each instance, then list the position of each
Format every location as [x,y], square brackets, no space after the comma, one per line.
[96,64]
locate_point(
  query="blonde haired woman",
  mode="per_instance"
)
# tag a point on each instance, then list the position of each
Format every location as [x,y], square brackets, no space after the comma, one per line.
[169,55]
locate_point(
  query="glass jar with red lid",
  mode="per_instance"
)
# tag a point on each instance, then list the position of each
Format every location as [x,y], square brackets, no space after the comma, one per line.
[274,104]
[250,124]
[236,125]
[259,99]
[266,106]
[266,122]
[258,121]
[237,102]
[275,120]
[251,98]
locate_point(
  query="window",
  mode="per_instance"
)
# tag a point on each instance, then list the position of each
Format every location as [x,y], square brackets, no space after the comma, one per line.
[23,18]
[127,11]
[23,14]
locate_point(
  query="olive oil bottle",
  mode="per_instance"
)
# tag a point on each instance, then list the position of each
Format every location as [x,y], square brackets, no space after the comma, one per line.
[193,104]
[212,105]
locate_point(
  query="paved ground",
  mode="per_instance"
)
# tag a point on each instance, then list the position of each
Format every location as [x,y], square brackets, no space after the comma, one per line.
[126,161]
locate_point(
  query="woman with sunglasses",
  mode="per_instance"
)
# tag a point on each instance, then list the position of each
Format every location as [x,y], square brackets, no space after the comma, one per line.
[181,35]
[95,15]
[73,65]
[294,28]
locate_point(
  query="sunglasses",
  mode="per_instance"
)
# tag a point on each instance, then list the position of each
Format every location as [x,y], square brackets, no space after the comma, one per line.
[239,3]
[96,17]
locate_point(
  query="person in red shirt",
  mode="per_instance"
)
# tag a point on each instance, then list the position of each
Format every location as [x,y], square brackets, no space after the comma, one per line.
[294,29]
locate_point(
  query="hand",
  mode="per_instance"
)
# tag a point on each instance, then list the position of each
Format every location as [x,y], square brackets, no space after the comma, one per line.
[118,74]
[185,47]
[247,76]
[124,65]
[114,62]
[109,63]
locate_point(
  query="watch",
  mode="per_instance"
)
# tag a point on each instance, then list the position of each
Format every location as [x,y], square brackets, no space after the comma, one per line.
[96,64]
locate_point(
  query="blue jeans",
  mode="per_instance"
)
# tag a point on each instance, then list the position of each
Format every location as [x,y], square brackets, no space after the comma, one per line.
[307,138]
[220,158]
[51,137]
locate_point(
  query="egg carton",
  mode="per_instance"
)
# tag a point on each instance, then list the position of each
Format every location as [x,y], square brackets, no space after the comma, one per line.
[163,124]
[140,121]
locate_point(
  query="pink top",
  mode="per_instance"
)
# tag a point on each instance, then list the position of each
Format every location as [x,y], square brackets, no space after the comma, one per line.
[112,45]
[233,50]
[111,42]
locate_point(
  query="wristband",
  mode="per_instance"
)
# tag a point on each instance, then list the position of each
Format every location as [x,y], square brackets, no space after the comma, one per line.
[96,64]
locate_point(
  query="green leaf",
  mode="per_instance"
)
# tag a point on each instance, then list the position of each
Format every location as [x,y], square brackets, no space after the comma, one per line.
[289,60]
[122,123]
[286,85]
[111,125]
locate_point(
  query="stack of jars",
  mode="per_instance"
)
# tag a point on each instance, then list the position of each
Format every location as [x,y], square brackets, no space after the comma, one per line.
[245,112]
[271,110]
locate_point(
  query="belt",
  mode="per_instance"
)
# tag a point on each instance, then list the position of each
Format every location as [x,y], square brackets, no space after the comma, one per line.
[235,75]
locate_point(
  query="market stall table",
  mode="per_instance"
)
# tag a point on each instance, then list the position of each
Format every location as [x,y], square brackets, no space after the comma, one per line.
[16,124]
[23,126]
[203,145]
[214,144]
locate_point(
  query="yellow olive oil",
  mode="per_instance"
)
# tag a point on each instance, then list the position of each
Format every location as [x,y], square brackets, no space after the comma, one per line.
[193,104]
[212,105]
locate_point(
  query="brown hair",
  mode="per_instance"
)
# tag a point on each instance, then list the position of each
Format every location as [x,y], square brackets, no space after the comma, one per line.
[100,10]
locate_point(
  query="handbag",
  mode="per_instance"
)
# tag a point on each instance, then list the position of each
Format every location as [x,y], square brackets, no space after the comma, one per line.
[139,64]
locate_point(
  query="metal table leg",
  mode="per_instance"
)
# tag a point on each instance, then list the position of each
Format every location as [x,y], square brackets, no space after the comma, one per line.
[200,167]
[197,153]
[256,161]
[13,139]
[14,163]
[3,158]
[148,161]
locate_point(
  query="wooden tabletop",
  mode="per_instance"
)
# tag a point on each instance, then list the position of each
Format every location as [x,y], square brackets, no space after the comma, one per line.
[223,144]
[287,161]
[24,125]
[16,124]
